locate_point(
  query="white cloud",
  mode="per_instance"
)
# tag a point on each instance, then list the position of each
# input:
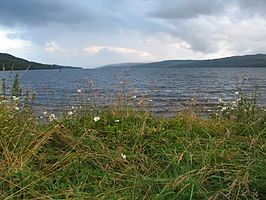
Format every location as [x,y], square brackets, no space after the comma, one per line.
[7,42]
[127,51]
[51,47]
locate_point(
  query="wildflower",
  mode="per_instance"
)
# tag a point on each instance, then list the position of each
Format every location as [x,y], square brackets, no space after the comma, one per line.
[41,117]
[236,93]
[134,97]
[16,108]
[52,117]
[88,99]
[45,113]
[234,104]
[116,121]
[220,100]
[73,107]
[96,118]
[123,156]
[224,108]
[15,98]
[79,91]
[150,100]
[70,113]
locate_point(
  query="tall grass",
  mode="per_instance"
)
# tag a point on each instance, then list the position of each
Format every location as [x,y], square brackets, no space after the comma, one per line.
[118,153]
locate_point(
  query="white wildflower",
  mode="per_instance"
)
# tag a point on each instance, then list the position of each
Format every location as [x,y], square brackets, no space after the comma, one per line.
[236,93]
[15,98]
[116,121]
[79,91]
[224,108]
[220,100]
[134,97]
[96,118]
[123,156]
[70,113]
[45,113]
[52,117]
[16,108]
[234,103]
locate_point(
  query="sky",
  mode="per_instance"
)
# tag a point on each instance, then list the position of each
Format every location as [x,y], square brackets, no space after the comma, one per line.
[91,33]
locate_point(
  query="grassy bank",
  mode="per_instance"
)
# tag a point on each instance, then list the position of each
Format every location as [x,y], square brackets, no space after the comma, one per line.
[111,154]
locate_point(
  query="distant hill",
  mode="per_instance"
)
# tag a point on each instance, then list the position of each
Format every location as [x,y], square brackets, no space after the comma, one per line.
[9,62]
[258,60]
[122,65]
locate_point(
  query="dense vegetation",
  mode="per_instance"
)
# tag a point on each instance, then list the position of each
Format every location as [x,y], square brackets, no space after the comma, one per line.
[258,60]
[9,62]
[119,153]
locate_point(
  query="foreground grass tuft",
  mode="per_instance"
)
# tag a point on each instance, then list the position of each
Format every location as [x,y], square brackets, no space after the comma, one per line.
[131,156]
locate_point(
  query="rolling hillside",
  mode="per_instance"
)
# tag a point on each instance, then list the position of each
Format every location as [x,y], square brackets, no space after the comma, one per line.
[258,60]
[9,62]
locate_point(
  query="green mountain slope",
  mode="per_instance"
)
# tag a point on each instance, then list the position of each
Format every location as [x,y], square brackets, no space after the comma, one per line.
[258,60]
[9,62]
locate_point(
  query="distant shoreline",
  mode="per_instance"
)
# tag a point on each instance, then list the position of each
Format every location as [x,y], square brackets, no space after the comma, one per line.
[9,62]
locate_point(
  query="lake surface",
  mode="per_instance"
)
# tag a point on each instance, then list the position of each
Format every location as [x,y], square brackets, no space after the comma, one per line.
[166,90]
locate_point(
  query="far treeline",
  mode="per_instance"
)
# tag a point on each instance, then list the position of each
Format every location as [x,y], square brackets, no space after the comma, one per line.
[9,62]
[258,60]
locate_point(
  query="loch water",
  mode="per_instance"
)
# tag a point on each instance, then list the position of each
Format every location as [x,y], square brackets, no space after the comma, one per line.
[167,89]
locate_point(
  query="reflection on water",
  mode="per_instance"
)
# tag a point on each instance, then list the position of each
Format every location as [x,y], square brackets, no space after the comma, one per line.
[168,88]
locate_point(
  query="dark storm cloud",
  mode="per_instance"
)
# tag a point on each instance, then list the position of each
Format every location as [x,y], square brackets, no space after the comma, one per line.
[185,9]
[36,12]
[253,7]
[93,15]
